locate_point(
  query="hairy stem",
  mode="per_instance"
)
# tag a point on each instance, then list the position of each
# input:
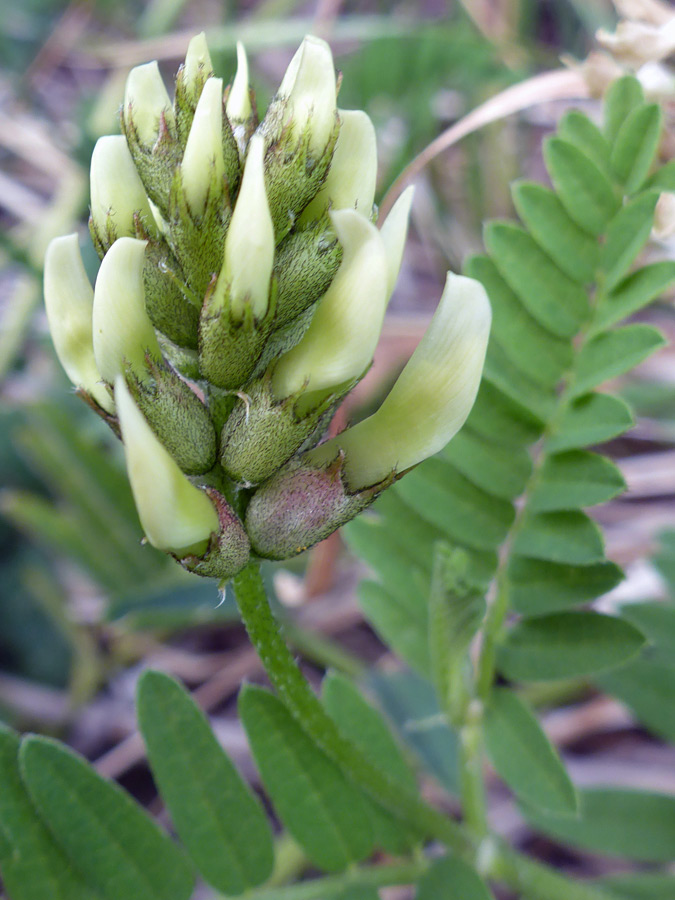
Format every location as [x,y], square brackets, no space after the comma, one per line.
[303,704]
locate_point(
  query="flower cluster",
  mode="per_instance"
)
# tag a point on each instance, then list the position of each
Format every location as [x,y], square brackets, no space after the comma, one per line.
[240,296]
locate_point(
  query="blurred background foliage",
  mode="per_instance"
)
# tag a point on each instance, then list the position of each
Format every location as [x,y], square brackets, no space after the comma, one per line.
[79,593]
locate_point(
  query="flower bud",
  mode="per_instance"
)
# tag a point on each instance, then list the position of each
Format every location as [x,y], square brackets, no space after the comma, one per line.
[238,106]
[431,398]
[146,101]
[198,67]
[117,192]
[351,179]
[69,299]
[175,515]
[308,94]
[123,333]
[394,232]
[249,246]
[341,339]
[203,165]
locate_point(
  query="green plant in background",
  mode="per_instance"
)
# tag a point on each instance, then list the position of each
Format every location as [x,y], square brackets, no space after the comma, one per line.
[239,470]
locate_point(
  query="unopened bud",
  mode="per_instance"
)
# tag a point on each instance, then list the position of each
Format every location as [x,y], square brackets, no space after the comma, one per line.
[117,193]
[238,106]
[430,400]
[249,246]
[69,300]
[146,101]
[198,67]
[308,93]
[123,332]
[394,232]
[203,166]
[175,515]
[351,179]
[341,339]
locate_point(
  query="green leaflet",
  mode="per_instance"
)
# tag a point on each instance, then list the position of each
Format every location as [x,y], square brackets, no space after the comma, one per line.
[502,471]
[326,814]
[639,887]
[511,381]
[538,586]
[524,757]
[32,865]
[114,844]
[635,292]
[647,686]
[627,234]
[411,704]
[573,479]
[402,629]
[573,250]
[577,129]
[496,414]
[591,419]
[584,190]
[655,619]
[359,893]
[566,645]
[446,499]
[363,725]
[452,879]
[565,537]
[614,352]
[529,347]
[559,304]
[636,145]
[219,821]
[624,95]
[664,177]
[632,824]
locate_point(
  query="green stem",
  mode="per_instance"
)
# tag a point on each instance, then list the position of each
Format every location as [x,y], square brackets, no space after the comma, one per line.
[303,704]
[472,784]
[537,881]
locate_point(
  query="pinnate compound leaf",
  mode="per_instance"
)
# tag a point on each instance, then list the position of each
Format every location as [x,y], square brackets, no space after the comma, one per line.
[584,190]
[537,586]
[575,478]
[591,419]
[627,234]
[567,645]
[32,865]
[565,537]
[524,757]
[623,97]
[559,304]
[573,250]
[614,352]
[326,814]
[635,292]
[577,129]
[529,347]
[636,825]
[510,380]
[635,146]
[219,821]
[366,728]
[451,879]
[114,844]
